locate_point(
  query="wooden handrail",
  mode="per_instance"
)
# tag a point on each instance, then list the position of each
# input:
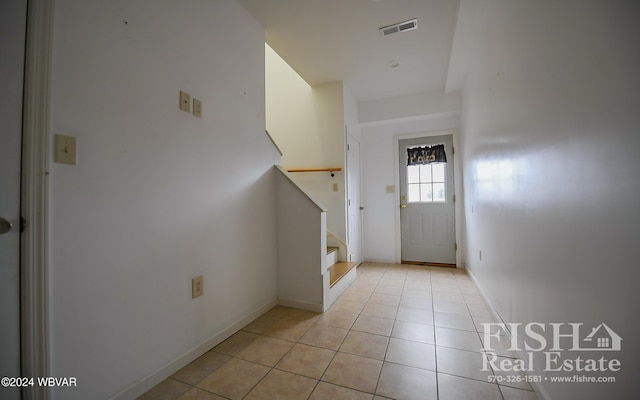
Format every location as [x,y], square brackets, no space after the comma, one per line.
[336,169]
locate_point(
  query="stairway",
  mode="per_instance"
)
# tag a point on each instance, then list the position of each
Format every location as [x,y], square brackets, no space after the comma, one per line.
[337,269]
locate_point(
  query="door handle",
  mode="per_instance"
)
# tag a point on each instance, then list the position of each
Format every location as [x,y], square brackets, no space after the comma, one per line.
[403,206]
[5,226]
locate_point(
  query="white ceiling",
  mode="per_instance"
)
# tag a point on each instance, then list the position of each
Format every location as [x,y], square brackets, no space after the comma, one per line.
[338,40]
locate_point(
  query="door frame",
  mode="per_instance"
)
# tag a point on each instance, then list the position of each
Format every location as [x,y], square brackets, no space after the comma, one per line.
[457,176]
[348,133]
[34,244]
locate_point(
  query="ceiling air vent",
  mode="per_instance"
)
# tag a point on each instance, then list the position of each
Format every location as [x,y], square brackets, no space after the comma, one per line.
[399,27]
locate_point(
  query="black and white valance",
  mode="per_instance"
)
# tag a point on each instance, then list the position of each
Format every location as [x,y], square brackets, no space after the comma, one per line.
[426,155]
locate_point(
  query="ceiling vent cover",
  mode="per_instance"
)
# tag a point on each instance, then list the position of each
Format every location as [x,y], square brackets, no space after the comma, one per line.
[399,27]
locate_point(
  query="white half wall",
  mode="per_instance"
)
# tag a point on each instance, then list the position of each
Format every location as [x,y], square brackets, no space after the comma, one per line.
[550,135]
[158,196]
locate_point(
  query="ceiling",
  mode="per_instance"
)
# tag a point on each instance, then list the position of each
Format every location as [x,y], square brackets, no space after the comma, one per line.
[338,40]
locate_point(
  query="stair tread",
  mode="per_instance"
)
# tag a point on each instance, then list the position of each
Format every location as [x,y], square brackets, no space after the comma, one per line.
[340,269]
[331,249]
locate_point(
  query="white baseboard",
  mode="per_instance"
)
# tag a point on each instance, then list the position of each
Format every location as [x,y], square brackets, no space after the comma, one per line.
[303,305]
[162,373]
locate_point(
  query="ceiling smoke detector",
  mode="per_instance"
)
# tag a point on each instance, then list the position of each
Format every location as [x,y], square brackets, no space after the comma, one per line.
[399,27]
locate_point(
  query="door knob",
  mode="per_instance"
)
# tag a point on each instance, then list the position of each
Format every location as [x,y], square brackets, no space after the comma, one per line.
[5,226]
[403,206]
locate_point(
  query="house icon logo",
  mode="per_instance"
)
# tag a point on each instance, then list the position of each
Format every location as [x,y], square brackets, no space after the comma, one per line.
[602,338]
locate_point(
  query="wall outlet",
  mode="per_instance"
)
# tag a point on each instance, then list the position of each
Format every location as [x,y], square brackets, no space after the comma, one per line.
[196,287]
[185,102]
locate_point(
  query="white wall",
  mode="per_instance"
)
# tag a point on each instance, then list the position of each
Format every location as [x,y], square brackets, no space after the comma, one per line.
[159,196]
[308,125]
[381,238]
[550,130]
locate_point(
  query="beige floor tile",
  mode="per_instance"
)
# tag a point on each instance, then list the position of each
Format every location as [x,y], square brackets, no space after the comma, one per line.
[265,350]
[365,286]
[412,354]
[454,321]
[423,285]
[288,329]
[306,360]
[415,315]
[473,299]
[395,290]
[456,388]
[392,280]
[450,307]
[402,382]
[509,378]
[459,339]
[352,371]
[412,331]
[278,312]
[386,299]
[260,324]
[303,315]
[463,363]
[169,389]
[199,394]
[234,379]
[328,337]
[499,345]
[340,319]
[375,325]
[327,391]
[282,386]
[479,310]
[348,305]
[421,303]
[365,345]
[424,291]
[447,296]
[235,343]
[487,325]
[356,295]
[201,367]
[517,394]
[379,310]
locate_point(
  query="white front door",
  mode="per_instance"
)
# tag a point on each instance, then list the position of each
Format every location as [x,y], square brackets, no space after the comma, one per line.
[427,215]
[354,209]
[12,44]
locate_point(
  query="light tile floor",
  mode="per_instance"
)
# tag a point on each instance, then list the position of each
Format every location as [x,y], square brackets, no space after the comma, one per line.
[398,332]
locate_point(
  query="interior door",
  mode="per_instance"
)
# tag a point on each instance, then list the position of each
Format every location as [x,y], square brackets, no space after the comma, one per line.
[427,196]
[13,14]
[354,209]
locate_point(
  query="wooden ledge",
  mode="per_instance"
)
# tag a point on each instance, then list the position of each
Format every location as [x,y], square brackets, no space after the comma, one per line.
[338,270]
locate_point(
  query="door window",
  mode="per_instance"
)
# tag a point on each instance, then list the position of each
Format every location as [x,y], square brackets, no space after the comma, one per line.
[426,183]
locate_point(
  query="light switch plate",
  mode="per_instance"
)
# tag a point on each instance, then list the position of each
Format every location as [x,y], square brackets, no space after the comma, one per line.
[335,186]
[185,101]
[391,189]
[196,287]
[197,108]
[66,149]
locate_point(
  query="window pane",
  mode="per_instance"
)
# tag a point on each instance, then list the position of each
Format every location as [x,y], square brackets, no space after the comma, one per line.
[426,193]
[413,173]
[438,172]
[425,173]
[414,193]
[438,192]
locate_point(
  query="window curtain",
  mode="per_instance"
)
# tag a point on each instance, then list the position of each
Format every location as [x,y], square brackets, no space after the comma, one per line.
[426,155]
